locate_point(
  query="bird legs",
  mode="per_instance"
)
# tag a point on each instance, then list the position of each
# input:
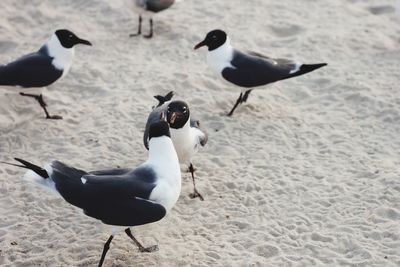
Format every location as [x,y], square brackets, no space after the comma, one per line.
[43,104]
[242,98]
[105,249]
[195,192]
[139,32]
[129,233]
[246,95]
[150,35]
[141,247]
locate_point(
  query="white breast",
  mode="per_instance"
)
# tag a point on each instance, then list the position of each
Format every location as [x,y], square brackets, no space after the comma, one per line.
[164,161]
[185,143]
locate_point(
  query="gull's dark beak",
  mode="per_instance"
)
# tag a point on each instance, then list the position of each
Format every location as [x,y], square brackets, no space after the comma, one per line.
[82,41]
[173,117]
[162,117]
[202,43]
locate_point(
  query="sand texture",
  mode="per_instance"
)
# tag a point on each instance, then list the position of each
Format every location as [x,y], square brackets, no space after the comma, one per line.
[306,173]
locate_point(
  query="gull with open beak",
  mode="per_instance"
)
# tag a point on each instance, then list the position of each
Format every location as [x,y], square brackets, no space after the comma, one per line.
[187,134]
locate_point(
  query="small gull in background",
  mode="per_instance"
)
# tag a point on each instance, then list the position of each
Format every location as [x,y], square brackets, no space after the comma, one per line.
[248,70]
[44,67]
[150,6]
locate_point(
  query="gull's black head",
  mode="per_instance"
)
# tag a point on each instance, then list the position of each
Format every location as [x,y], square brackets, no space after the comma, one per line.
[177,114]
[68,39]
[213,40]
[158,129]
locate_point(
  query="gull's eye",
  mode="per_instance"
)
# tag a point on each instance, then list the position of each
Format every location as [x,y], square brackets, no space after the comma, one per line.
[70,36]
[184,109]
[214,37]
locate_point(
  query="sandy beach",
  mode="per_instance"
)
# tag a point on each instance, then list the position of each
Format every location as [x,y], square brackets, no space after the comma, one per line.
[306,173]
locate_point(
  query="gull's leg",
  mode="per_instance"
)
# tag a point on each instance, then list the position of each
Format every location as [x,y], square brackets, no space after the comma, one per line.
[141,248]
[139,28]
[238,101]
[246,95]
[151,29]
[43,104]
[195,192]
[105,249]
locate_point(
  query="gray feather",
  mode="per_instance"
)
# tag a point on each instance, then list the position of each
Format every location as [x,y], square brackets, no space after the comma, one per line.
[196,124]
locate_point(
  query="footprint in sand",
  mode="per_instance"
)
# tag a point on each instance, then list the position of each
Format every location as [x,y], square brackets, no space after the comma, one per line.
[267,251]
[6,46]
[383,9]
[284,30]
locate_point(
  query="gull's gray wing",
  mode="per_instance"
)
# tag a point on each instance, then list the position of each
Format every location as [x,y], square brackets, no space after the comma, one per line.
[251,70]
[203,135]
[114,199]
[32,70]
[279,61]
[130,212]
[117,171]
[158,5]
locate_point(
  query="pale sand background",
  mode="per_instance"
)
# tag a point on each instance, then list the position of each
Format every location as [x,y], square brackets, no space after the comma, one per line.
[306,173]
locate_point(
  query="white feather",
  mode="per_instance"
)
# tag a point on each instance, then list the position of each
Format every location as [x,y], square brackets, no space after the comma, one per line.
[46,183]
[164,161]
[296,68]
[220,58]
[186,142]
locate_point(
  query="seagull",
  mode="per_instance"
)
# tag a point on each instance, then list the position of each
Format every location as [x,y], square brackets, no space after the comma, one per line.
[248,70]
[121,198]
[150,6]
[187,134]
[44,67]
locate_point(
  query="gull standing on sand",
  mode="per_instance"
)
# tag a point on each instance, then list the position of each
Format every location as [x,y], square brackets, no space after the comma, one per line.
[186,133]
[120,197]
[248,70]
[150,6]
[44,67]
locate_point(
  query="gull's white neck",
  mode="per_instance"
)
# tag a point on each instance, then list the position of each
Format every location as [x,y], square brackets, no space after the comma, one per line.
[221,57]
[184,129]
[62,56]
[182,140]
[164,161]
[161,150]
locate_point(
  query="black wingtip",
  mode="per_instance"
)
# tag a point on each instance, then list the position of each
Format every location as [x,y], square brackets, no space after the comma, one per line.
[310,67]
[306,68]
[162,99]
[12,164]
[38,170]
